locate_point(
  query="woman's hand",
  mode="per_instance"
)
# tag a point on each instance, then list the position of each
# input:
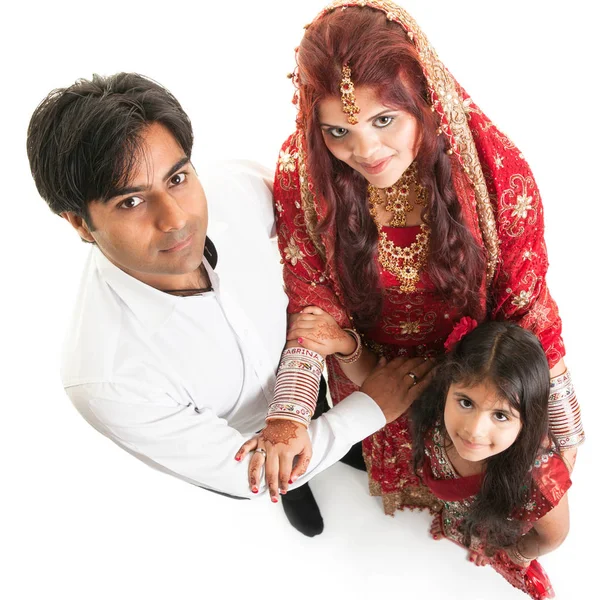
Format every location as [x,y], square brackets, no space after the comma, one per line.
[284,442]
[318,331]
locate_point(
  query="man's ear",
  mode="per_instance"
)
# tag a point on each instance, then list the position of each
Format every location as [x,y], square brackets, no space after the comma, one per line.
[79,225]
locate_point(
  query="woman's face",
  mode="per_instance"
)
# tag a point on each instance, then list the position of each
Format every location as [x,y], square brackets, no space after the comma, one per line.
[381,146]
[479,421]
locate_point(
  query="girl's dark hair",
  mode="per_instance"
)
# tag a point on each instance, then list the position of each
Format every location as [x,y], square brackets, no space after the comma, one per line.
[513,361]
[383,58]
[83,141]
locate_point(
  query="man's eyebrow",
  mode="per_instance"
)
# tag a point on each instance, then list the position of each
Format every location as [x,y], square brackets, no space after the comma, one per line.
[142,188]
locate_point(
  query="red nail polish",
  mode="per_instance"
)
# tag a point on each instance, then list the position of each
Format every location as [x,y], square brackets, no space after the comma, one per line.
[300,340]
[255,490]
[283,492]
[290,481]
[274,500]
[237,458]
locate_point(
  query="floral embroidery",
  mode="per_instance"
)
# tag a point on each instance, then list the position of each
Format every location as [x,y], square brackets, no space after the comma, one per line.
[522,300]
[517,204]
[523,205]
[279,207]
[287,161]
[293,252]
[407,327]
[498,160]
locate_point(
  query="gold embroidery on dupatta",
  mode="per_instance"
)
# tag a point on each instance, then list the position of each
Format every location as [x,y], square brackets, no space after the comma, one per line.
[286,166]
[516,204]
[308,201]
[453,110]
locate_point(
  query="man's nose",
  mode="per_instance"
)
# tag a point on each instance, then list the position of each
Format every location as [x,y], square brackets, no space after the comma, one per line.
[169,214]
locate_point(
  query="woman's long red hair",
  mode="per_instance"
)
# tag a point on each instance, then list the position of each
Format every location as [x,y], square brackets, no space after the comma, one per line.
[382,58]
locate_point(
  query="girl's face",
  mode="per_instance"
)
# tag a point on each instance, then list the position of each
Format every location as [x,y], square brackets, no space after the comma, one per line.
[381,146]
[479,421]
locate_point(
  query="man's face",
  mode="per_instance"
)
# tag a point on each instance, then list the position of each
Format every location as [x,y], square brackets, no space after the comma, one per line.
[156,227]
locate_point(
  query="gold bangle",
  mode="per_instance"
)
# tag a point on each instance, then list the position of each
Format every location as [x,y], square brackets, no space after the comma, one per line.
[354,356]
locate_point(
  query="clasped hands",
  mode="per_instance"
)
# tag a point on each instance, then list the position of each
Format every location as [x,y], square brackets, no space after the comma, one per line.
[283,447]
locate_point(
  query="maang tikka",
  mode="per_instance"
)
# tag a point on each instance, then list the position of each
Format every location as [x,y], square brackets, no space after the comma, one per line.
[348,98]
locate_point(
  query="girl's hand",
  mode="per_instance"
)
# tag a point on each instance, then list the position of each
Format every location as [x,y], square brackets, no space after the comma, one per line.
[516,557]
[283,442]
[318,331]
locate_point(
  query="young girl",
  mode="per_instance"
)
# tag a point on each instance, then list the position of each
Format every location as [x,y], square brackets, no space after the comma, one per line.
[482,445]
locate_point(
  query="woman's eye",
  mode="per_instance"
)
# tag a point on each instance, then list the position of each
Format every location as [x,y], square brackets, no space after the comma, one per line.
[338,132]
[465,403]
[131,202]
[383,121]
[178,179]
[500,416]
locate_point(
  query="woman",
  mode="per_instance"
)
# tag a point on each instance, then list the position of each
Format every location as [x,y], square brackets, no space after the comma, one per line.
[400,210]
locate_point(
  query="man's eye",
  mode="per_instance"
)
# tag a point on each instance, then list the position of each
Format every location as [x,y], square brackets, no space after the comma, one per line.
[383,121]
[178,179]
[338,132]
[131,202]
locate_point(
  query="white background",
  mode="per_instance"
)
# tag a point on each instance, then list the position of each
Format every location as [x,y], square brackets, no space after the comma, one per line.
[81,518]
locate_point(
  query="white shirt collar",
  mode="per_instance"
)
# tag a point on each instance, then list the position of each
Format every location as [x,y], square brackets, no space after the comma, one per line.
[151,306]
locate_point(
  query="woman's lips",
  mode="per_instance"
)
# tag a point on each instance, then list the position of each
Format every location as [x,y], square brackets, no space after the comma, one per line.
[377,167]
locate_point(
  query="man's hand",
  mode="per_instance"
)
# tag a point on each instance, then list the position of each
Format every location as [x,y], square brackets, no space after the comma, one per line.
[283,441]
[396,385]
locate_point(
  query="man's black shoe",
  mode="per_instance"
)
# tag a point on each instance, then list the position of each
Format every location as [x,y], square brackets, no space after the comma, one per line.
[302,510]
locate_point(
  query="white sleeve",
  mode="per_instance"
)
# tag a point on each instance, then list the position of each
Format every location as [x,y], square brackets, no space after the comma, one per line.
[198,446]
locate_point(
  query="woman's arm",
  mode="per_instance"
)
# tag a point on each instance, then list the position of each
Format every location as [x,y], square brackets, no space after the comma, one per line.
[318,331]
[568,454]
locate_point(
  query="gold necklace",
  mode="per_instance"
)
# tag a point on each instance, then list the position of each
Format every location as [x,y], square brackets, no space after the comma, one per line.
[396,197]
[404,263]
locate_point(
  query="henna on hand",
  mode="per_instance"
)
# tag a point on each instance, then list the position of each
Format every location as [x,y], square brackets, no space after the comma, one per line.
[304,465]
[281,432]
[326,331]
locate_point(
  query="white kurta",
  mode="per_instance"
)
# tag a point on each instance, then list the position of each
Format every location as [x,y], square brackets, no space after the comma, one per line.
[181,383]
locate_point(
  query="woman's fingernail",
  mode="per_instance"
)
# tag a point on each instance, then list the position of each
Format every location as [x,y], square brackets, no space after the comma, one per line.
[283,492]
[237,457]
[300,340]
[274,500]
[255,490]
[291,481]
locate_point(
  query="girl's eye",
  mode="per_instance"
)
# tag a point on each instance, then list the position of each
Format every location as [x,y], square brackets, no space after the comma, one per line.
[383,121]
[178,179]
[131,202]
[337,132]
[465,403]
[500,417]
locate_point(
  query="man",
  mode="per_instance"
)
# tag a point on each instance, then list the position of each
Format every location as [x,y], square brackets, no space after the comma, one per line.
[171,361]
